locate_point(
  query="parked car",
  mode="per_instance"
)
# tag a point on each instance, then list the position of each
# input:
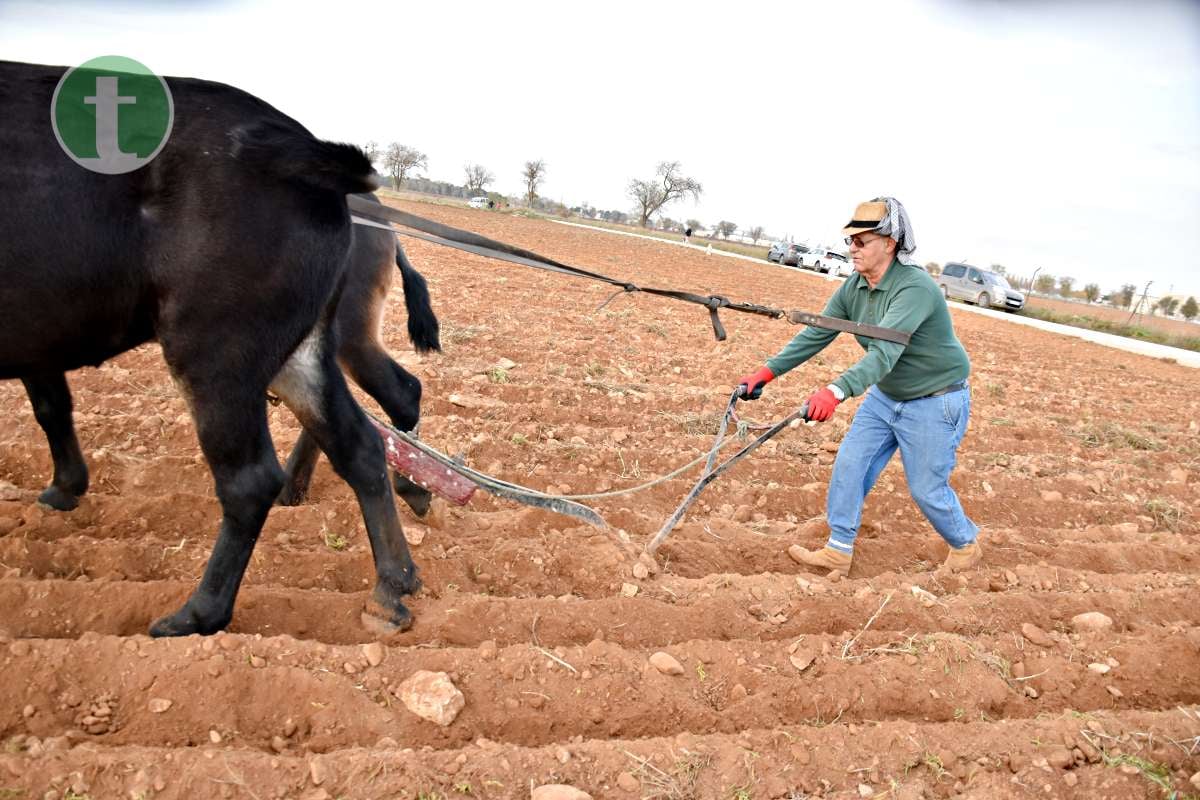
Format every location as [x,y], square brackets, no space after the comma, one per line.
[478,202]
[786,253]
[842,266]
[822,260]
[979,286]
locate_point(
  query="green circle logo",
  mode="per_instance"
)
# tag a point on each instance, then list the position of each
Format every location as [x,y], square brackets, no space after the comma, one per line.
[112,115]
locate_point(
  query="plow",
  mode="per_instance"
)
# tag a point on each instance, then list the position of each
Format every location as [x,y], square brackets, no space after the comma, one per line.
[455,482]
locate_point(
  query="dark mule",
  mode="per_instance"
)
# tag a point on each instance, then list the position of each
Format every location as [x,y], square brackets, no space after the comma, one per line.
[229,248]
[362,356]
[369,271]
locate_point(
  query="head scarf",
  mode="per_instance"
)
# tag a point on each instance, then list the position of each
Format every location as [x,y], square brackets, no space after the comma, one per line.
[897,225]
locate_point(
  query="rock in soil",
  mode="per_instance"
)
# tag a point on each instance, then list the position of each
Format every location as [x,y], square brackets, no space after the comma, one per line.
[1091,622]
[431,696]
[558,791]
[666,663]
[1036,635]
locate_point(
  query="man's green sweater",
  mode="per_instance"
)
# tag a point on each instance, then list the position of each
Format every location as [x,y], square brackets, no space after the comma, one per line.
[908,300]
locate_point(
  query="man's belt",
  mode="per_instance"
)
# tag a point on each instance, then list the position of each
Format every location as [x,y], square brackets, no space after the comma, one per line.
[954,387]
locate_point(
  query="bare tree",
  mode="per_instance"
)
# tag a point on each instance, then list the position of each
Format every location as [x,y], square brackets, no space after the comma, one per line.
[696,225]
[726,228]
[755,233]
[534,174]
[400,159]
[1091,292]
[477,178]
[1064,285]
[1045,283]
[933,268]
[372,150]
[664,188]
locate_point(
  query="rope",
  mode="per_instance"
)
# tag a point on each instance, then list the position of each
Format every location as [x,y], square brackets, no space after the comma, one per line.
[708,457]
[649,484]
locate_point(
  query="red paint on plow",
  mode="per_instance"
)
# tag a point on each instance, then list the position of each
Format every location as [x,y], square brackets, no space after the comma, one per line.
[423,470]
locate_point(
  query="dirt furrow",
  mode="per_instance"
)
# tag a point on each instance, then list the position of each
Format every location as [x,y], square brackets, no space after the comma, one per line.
[510,568]
[67,609]
[530,695]
[1102,754]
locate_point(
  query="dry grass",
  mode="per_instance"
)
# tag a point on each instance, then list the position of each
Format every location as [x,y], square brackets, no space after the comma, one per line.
[457,334]
[678,784]
[1110,434]
[695,424]
[1166,515]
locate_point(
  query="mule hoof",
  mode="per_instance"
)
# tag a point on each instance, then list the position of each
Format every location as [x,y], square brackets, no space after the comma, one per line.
[417,498]
[185,622]
[410,585]
[420,504]
[289,497]
[384,622]
[58,499]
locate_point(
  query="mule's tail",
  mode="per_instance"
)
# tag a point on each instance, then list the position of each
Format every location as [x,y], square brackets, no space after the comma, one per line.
[422,322]
[292,153]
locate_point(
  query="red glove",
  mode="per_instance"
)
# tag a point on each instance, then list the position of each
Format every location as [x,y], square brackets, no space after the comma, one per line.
[822,404]
[752,385]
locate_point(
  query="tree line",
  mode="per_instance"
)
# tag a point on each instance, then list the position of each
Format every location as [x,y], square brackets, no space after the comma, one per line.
[650,196]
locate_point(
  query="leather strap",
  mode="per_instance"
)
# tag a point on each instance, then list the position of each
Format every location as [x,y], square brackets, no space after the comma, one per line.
[376,215]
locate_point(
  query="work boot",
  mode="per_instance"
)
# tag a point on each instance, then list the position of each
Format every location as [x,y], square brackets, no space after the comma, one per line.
[962,558]
[825,558]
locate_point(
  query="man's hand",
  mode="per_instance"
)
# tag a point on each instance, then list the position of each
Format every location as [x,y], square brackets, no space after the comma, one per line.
[752,385]
[822,404]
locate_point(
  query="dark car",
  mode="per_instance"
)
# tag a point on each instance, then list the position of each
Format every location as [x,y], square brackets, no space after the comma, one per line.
[786,254]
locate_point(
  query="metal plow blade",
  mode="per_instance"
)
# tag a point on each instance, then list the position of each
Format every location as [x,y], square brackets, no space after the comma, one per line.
[456,482]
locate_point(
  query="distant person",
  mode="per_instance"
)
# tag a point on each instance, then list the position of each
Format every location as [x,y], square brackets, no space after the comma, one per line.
[491,204]
[916,397]
[687,235]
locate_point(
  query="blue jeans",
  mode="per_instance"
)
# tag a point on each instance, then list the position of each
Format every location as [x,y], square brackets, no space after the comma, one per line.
[927,433]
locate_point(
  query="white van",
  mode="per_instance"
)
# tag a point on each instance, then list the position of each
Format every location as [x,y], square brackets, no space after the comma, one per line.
[478,202]
[979,286]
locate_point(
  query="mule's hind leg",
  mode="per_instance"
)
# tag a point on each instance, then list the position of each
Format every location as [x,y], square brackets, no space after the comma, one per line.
[299,470]
[398,392]
[51,400]
[231,421]
[312,386]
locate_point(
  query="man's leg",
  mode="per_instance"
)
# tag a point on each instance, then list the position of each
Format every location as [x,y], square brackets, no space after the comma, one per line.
[929,432]
[864,452]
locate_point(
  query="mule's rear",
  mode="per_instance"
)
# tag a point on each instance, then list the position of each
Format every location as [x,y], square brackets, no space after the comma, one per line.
[229,248]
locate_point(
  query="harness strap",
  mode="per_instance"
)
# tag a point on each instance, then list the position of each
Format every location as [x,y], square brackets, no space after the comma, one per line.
[375,215]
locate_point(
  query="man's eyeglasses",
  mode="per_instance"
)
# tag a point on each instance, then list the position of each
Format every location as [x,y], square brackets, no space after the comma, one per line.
[858,241]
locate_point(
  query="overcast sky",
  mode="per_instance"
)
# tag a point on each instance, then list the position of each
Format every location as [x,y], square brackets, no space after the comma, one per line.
[1061,135]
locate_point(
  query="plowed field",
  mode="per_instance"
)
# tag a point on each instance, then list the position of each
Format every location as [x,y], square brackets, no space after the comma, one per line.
[1081,464]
